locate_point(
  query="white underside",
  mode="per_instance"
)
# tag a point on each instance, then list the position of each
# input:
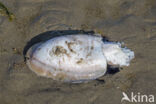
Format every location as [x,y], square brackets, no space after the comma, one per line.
[80,55]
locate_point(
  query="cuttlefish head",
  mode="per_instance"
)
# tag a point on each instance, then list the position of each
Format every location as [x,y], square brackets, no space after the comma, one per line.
[116,55]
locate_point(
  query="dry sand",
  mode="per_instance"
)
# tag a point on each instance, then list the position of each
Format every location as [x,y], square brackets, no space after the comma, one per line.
[130,21]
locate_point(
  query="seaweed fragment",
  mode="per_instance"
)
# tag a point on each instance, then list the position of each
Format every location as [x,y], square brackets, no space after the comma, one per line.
[5,12]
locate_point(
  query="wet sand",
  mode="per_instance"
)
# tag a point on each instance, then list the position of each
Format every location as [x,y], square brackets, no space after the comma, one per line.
[130,21]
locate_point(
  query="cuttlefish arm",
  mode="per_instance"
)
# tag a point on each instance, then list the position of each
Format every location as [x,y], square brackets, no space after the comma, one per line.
[116,55]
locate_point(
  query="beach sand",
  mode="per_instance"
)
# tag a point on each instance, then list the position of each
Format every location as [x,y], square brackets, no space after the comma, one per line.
[130,21]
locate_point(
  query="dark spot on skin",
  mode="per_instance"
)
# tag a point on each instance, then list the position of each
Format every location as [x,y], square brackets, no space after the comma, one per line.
[90,52]
[69,44]
[92,47]
[80,61]
[58,50]
[72,51]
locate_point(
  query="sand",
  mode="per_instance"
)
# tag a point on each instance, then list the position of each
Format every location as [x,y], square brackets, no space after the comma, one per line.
[130,21]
